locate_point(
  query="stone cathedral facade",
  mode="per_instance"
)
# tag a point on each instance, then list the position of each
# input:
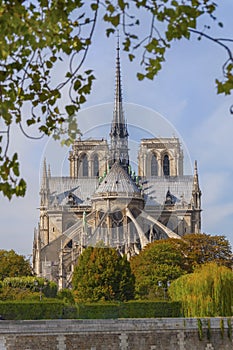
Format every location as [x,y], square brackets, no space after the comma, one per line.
[104,202]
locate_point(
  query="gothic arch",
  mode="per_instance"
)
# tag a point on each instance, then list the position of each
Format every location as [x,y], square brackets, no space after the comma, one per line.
[166,165]
[83,168]
[154,165]
[95,165]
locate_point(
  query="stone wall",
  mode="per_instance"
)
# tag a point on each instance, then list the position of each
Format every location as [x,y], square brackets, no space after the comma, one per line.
[121,334]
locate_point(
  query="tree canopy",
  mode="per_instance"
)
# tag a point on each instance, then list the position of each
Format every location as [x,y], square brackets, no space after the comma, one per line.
[206,292]
[165,260]
[102,274]
[13,265]
[155,266]
[40,37]
[203,248]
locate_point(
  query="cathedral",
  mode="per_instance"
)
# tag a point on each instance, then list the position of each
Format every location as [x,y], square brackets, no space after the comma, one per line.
[104,202]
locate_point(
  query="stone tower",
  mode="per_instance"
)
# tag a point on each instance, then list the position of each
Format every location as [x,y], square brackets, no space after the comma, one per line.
[88,158]
[160,157]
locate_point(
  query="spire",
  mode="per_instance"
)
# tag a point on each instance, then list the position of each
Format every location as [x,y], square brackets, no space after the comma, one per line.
[118,124]
[196,188]
[195,178]
[119,133]
[44,190]
[44,183]
[196,200]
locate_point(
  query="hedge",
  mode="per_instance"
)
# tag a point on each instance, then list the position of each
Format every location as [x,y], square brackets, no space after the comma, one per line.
[132,309]
[55,309]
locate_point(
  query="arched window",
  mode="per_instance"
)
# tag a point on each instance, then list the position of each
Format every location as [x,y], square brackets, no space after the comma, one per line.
[154,166]
[96,165]
[166,166]
[84,165]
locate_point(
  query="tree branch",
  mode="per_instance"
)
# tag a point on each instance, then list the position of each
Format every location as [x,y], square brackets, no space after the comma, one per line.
[215,40]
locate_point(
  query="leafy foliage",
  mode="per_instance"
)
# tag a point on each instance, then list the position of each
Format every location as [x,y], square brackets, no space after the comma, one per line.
[66,295]
[102,274]
[12,265]
[157,265]
[27,288]
[39,38]
[203,248]
[10,293]
[165,260]
[35,39]
[206,292]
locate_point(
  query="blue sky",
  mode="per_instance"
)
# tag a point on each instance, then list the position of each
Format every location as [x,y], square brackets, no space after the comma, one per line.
[181,101]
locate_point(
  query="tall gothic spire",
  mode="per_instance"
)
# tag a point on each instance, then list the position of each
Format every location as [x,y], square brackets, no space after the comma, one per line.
[119,134]
[44,190]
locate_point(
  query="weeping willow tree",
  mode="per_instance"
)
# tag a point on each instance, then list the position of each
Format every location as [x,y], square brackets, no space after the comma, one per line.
[206,292]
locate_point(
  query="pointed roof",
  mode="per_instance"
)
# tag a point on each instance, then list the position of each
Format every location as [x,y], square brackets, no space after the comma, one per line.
[196,186]
[44,181]
[119,127]
[117,180]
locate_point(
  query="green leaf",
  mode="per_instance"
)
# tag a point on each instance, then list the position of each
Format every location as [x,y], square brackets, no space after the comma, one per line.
[21,188]
[70,109]
[110,31]
[53,59]
[49,64]
[31,121]
[110,8]
[94,6]
[115,20]
[140,76]
[82,99]
[77,84]
[89,71]
[68,75]
[122,4]
[131,57]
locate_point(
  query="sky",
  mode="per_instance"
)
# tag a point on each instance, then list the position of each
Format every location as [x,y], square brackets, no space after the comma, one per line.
[181,101]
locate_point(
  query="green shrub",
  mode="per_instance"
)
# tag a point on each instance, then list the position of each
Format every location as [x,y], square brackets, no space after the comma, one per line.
[55,309]
[131,309]
[98,311]
[16,287]
[9,293]
[67,296]
[147,309]
[16,310]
